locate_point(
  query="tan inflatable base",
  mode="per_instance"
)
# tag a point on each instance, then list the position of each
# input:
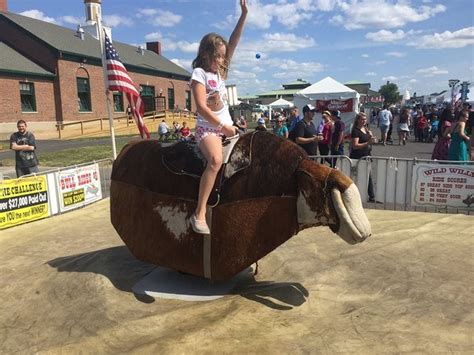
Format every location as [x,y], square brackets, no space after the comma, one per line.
[66,286]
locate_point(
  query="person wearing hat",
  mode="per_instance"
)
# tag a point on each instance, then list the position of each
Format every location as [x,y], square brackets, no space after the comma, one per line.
[280,129]
[260,125]
[337,139]
[305,131]
[324,143]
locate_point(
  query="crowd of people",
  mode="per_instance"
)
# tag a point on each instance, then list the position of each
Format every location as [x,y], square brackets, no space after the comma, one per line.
[449,128]
[177,132]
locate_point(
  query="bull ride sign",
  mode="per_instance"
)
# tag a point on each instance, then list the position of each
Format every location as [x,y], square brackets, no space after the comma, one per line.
[332,105]
[443,185]
[78,187]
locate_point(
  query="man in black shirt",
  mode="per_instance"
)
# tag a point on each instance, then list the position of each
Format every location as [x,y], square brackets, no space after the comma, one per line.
[24,145]
[305,131]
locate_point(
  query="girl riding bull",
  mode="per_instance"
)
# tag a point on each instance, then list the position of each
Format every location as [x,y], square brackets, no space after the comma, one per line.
[211,67]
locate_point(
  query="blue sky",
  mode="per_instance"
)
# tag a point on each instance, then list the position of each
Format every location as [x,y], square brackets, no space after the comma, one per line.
[419,44]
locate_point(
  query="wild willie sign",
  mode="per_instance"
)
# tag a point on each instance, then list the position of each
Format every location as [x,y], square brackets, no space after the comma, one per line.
[443,185]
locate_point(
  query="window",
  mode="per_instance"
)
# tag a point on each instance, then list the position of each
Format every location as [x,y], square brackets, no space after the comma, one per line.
[27,96]
[148,97]
[84,95]
[188,100]
[118,102]
[170,98]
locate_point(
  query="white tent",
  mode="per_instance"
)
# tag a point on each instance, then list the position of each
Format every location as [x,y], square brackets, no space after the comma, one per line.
[280,103]
[333,91]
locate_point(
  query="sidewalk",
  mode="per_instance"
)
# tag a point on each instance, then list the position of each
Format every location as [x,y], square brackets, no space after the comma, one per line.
[8,172]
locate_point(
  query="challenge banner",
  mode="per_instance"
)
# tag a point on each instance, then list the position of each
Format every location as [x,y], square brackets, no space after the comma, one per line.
[443,185]
[78,187]
[332,105]
[23,200]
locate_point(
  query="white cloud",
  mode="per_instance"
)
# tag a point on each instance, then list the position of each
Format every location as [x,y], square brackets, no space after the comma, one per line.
[146,12]
[166,19]
[290,69]
[154,36]
[39,15]
[267,47]
[390,78]
[116,20]
[432,71]
[183,63]
[73,20]
[396,54]
[358,14]
[285,42]
[371,73]
[238,74]
[289,14]
[325,5]
[365,55]
[170,44]
[159,18]
[412,81]
[380,62]
[388,36]
[458,39]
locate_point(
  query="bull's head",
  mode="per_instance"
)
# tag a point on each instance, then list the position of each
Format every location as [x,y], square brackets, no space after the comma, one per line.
[328,197]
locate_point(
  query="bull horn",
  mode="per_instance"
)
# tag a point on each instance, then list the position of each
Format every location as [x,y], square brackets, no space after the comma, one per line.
[354,227]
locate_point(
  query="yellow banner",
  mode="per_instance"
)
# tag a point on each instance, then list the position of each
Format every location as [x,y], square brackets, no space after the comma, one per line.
[23,200]
[73,197]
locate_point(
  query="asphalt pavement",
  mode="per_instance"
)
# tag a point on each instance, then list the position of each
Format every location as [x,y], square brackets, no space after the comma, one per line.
[411,150]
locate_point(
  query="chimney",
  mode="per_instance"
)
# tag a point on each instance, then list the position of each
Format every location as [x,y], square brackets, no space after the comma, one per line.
[4,5]
[154,46]
[93,10]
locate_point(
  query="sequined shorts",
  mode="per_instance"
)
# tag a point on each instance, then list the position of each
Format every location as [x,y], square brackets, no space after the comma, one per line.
[203,132]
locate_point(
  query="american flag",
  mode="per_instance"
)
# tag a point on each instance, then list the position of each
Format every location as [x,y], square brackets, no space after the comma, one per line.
[119,80]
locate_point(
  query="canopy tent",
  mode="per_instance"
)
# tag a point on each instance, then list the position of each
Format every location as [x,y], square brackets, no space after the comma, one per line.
[330,94]
[280,103]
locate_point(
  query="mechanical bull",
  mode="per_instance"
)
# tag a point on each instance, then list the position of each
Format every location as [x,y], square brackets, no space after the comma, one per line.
[267,192]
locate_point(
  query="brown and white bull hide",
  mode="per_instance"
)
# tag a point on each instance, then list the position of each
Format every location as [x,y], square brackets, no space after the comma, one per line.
[280,193]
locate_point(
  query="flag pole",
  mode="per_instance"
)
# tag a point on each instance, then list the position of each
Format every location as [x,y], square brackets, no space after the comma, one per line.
[100,32]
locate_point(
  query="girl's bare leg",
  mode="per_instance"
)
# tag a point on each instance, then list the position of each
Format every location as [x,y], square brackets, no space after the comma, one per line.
[211,148]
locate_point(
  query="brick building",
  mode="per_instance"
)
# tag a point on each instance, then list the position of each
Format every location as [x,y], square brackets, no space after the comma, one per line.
[50,74]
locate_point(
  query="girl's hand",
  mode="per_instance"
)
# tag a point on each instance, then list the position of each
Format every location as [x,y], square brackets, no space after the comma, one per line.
[243,6]
[229,131]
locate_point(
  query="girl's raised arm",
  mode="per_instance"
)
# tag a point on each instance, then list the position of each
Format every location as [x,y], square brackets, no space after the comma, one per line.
[235,36]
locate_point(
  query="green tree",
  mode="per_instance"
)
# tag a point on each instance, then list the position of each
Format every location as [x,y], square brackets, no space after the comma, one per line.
[390,93]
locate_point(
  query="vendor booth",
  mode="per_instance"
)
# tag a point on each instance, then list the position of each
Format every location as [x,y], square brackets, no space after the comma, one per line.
[329,94]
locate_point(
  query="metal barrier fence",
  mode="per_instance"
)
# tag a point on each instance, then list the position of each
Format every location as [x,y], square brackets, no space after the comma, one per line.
[393,181]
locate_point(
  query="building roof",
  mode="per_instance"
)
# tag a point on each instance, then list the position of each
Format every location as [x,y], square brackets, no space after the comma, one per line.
[248,97]
[356,82]
[13,62]
[298,82]
[279,92]
[373,93]
[66,41]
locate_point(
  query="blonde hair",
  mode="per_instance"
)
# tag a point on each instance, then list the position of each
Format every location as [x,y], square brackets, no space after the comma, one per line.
[207,53]
[357,118]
